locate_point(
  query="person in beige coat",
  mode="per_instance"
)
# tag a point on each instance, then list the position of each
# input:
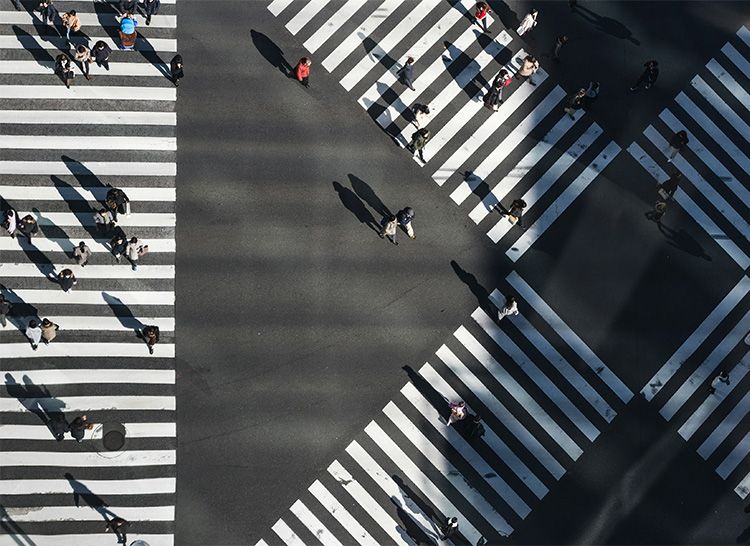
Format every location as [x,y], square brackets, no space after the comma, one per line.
[71,22]
[49,330]
[528,68]
[83,58]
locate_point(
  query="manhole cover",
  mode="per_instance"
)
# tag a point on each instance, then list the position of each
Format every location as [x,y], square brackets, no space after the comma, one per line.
[110,440]
[113,440]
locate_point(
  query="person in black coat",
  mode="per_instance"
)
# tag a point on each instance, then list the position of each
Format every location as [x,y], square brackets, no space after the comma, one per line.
[28,226]
[175,67]
[650,73]
[117,202]
[150,8]
[406,73]
[5,308]
[64,68]
[49,12]
[100,53]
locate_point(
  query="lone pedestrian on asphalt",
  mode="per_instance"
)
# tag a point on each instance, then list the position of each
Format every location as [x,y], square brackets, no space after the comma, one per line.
[660,208]
[405,217]
[104,221]
[101,52]
[418,141]
[175,69]
[71,22]
[528,22]
[406,73]
[723,377]
[117,202]
[480,16]
[10,222]
[450,528]
[66,279]
[559,43]
[648,77]
[118,244]
[151,8]
[510,308]
[575,103]
[5,308]
[34,333]
[119,527]
[494,98]
[528,69]
[592,93]
[666,189]
[28,226]
[389,227]
[83,58]
[302,71]
[458,412]
[82,253]
[151,337]
[49,12]
[49,330]
[79,426]
[421,115]
[678,142]
[134,250]
[64,69]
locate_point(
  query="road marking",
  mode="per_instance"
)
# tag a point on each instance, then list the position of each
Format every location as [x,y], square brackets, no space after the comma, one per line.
[735,457]
[32,270]
[727,425]
[95,403]
[277,6]
[67,245]
[76,193]
[27,514]
[93,539]
[134,430]
[337,510]
[80,376]
[335,22]
[139,219]
[108,92]
[99,168]
[95,323]
[86,117]
[737,58]
[282,529]
[737,123]
[115,69]
[303,16]
[141,486]
[53,142]
[729,83]
[314,525]
[87,19]
[30,43]
[90,297]
[81,459]
[59,349]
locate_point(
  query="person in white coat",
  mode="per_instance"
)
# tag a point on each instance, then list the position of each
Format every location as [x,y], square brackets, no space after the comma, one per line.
[528,22]
[34,333]
[510,308]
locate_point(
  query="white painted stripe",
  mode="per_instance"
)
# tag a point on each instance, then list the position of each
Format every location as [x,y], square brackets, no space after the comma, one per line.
[519,394]
[315,526]
[692,175]
[489,127]
[28,270]
[501,412]
[143,219]
[99,324]
[557,360]
[261,542]
[115,69]
[329,28]
[109,92]
[737,123]
[87,19]
[457,84]
[712,401]
[548,179]
[426,41]
[569,336]
[283,531]
[86,117]
[735,457]
[743,488]
[143,486]
[90,297]
[420,480]
[30,43]
[726,79]
[563,201]
[99,168]
[88,458]
[53,142]
[76,193]
[369,505]
[722,431]
[58,349]
[691,207]
[134,430]
[277,6]
[79,376]
[67,245]
[303,16]
[25,514]
[493,441]
[396,495]
[534,373]
[354,40]
[336,509]
[500,152]
[384,46]
[494,480]
[744,35]
[706,368]
[521,169]
[94,403]
[93,539]
[737,58]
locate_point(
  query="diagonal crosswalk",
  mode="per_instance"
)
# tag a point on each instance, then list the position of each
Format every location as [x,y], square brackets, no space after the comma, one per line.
[410,470]
[124,120]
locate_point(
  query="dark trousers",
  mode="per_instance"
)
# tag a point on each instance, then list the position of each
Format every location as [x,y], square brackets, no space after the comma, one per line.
[84,67]
[483,24]
[104,63]
[149,10]
[306,81]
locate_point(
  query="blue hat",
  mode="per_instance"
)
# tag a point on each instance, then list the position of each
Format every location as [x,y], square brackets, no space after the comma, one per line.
[127,26]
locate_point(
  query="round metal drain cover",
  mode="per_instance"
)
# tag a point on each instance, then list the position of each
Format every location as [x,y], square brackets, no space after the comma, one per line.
[110,440]
[113,440]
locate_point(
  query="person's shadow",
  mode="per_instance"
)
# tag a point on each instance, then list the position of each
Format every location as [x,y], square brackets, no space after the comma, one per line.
[124,314]
[366,193]
[409,497]
[38,400]
[271,52]
[94,501]
[77,204]
[682,240]
[355,205]
[479,291]
[607,25]
[437,400]
[86,178]
[20,311]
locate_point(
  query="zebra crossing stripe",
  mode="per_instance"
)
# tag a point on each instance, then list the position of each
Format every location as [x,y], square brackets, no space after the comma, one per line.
[66,245]
[277,6]
[690,206]
[90,539]
[30,43]
[501,412]
[335,22]
[381,49]
[86,117]
[735,457]
[27,514]
[138,486]
[314,525]
[261,542]
[721,432]
[99,168]
[514,463]
[729,83]
[395,493]
[93,323]
[707,367]
[55,142]
[31,270]
[736,58]
[59,349]
[46,193]
[142,219]
[87,19]
[521,169]
[500,152]
[735,121]
[303,16]
[523,289]
[81,459]
[284,532]
[744,35]
[79,376]
[337,510]
[563,201]
[421,481]
[90,297]
[351,42]
[93,92]
[47,68]
[95,403]
[369,505]
[134,430]
[536,375]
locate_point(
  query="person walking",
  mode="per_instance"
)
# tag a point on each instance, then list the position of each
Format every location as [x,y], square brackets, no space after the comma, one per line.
[79,426]
[34,333]
[71,22]
[119,527]
[66,279]
[406,73]
[10,222]
[128,34]
[480,16]
[660,208]
[678,142]
[528,22]
[83,58]
[475,428]
[575,103]
[127,7]
[82,253]
[421,115]
[302,71]
[175,70]
[458,412]
[648,77]
[116,202]
[528,68]
[418,141]
[134,250]
[494,98]
[28,226]
[104,221]
[49,330]
[723,377]
[118,244]
[592,93]
[559,43]
[450,528]
[151,8]
[405,217]
[101,52]
[64,69]
[5,309]
[389,227]
[151,337]
[49,12]
[510,308]
[515,212]
[666,189]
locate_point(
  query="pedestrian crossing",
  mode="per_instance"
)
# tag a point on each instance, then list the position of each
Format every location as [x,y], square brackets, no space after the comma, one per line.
[62,150]
[715,185]
[543,397]
[529,149]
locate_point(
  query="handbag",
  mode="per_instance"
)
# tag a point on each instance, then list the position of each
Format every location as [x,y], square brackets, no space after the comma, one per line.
[664,194]
[142,250]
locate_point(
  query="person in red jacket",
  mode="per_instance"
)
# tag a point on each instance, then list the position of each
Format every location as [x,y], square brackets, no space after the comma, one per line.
[302,71]
[481,15]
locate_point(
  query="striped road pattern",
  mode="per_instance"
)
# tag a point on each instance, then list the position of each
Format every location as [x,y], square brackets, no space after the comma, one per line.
[473,153]
[544,398]
[60,150]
